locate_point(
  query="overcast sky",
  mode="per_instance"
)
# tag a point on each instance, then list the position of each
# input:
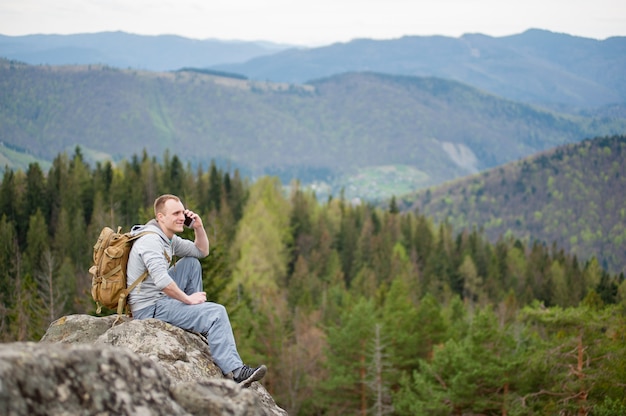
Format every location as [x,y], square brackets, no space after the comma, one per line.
[311,22]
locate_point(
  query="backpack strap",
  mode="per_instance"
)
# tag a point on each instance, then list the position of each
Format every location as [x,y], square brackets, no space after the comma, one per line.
[122,304]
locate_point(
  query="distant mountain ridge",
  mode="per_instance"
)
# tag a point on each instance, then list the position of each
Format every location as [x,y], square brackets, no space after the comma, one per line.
[536,66]
[556,70]
[572,195]
[326,131]
[125,50]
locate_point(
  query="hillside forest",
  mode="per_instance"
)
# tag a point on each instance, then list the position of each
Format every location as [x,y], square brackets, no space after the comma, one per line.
[572,195]
[355,309]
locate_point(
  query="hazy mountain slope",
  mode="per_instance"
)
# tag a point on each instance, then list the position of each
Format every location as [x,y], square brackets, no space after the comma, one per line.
[328,128]
[535,66]
[125,50]
[572,195]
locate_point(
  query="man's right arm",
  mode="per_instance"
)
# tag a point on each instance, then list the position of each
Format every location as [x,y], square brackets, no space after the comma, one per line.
[173,291]
[156,263]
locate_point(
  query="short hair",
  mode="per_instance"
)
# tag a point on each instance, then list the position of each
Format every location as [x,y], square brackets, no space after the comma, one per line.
[159,203]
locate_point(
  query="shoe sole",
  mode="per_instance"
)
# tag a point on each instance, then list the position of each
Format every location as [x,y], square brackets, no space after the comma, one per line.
[256,376]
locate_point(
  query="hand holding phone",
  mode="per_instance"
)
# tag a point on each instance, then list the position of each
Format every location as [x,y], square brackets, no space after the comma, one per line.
[189,221]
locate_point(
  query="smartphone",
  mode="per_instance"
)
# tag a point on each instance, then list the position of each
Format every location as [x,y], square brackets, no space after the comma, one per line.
[188,221]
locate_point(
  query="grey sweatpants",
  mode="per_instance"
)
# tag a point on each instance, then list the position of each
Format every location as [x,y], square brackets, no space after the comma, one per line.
[208,318]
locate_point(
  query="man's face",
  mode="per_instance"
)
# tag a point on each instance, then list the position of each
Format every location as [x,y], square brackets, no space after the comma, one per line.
[173,217]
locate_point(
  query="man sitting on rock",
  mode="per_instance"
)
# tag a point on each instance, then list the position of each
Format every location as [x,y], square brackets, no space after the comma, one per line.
[174,294]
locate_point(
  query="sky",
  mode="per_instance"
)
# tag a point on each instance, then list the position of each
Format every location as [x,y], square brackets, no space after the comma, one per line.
[313,23]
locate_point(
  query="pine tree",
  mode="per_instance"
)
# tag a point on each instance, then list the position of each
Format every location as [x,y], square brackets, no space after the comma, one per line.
[301,289]
[259,251]
[62,239]
[25,317]
[469,376]
[216,270]
[37,243]
[516,266]
[592,275]
[237,192]
[150,172]
[298,373]
[401,327]
[347,241]
[215,188]
[432,329]
[35,196]
[49,290]
[580,357]
[9,258]
[472,282]
[8,196]
[80,248]
[345,390]
[423,239]
[57,189]
[11,203]
[82,187]
[377,377]
[561,294]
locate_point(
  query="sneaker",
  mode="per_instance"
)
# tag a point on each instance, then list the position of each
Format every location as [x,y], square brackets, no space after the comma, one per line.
[248,375]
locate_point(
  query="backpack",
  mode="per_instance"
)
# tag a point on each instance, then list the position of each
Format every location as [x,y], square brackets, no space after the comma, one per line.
[110,257]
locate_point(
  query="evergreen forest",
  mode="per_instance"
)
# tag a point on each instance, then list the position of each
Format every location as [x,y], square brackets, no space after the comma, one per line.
[572,195]
[355,309]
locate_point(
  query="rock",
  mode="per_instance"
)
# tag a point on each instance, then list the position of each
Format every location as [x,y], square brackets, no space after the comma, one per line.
[84,365]
[82,379]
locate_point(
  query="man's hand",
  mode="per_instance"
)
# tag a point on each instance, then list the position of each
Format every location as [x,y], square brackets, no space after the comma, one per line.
[201,240]
[195,298]
[173,291]
[197,221]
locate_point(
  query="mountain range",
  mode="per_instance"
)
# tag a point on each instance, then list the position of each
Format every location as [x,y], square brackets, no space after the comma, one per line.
[537,66]
[557,70]
[417,131]
[126,50]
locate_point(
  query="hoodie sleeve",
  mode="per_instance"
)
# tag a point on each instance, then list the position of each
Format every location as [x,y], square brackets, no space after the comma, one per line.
[185,248]
[152,254]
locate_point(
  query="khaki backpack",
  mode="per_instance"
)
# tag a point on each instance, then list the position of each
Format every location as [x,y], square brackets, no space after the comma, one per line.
[110,257]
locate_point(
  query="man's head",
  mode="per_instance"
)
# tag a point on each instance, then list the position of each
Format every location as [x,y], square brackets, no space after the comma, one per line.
[170,214]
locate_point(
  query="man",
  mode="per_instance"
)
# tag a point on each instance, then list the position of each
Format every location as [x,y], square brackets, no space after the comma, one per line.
[174,294]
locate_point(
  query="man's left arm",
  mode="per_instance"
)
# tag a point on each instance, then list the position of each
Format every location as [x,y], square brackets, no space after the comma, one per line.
[201,239]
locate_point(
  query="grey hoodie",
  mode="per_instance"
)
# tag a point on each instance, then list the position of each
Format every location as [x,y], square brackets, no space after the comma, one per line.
[148,252]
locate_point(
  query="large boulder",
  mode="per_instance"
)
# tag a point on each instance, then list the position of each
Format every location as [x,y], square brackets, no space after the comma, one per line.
[86,365]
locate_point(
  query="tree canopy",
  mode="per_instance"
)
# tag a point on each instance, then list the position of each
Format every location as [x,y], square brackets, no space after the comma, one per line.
[355,308]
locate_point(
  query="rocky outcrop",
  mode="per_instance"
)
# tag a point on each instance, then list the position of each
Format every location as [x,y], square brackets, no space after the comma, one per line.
[85,366]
